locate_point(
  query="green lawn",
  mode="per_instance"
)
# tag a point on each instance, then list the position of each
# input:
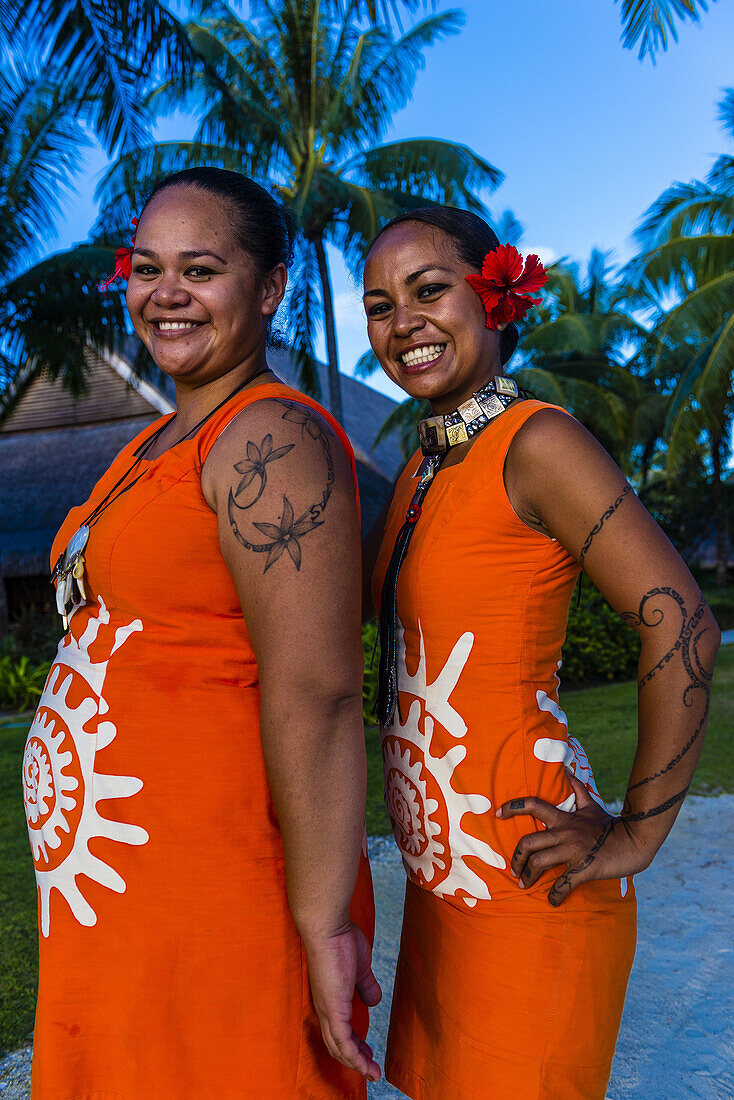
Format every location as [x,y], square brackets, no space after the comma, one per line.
[18,943]
[603,719]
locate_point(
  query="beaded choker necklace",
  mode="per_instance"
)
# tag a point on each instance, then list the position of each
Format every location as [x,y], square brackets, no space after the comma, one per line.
[437,435]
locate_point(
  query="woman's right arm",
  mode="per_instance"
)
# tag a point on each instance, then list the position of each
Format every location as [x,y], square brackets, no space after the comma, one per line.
[562,482]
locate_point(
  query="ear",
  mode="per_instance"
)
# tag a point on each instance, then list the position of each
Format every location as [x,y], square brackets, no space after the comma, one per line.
[273,289]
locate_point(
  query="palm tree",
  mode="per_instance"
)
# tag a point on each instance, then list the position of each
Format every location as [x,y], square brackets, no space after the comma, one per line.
[104,49]
[50,310]
[300,99]
[688,252]
[584,351]
[651,23]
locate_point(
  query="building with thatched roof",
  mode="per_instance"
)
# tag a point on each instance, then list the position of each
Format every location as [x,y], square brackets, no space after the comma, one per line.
[54,447]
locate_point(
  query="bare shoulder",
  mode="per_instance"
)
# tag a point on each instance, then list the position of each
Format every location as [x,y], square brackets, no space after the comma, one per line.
[552,436]
[556,468]
[274,440]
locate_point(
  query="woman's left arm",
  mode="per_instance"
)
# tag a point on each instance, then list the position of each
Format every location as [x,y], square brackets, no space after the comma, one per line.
[562,482]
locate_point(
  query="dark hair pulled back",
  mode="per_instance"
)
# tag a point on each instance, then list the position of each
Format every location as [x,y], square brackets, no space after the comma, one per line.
[263,227]
[473,238]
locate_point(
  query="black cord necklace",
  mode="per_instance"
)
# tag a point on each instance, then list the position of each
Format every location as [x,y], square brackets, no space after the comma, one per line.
[437,435]
[68,572]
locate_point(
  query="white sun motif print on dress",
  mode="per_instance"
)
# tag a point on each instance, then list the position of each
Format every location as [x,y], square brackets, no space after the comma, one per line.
[567,751]
[61,788]
[425,809]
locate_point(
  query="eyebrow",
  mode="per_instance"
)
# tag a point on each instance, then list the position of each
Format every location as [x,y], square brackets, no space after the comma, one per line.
[191,254]
[409,280]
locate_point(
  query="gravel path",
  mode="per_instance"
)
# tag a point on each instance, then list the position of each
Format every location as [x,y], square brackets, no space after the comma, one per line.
[676,1040]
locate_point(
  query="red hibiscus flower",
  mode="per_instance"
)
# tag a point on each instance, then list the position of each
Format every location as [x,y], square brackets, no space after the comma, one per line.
[123,261]
[505,287]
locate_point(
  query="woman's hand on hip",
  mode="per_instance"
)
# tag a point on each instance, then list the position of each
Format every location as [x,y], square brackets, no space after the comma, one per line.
[337,966]
[589,841]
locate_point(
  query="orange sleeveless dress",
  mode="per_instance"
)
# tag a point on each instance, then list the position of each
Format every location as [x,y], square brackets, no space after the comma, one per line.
[170,967]
[497,994]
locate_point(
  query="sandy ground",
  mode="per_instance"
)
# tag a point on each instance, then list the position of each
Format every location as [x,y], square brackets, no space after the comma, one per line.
[677,1039]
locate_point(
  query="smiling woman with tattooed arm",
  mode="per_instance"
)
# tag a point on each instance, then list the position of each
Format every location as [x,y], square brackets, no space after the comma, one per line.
[519,924]
[592,511]
[215,569]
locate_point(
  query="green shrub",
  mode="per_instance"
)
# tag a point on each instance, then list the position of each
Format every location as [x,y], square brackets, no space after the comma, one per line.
[21,682]
[721,602]
[370,684]
[599,645]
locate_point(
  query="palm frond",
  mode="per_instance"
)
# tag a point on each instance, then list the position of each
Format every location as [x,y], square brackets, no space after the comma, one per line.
[684,262]
[700,313]
[428,170]
[126,184]
[726,113]
[108,51]
[388,71]
[403,421]
[40,143]
[652,23]
[541,383]
[366,365]
[685,210]
[52,313]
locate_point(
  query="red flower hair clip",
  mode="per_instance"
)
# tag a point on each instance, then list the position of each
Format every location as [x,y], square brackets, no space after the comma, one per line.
[123,261]
[505,287]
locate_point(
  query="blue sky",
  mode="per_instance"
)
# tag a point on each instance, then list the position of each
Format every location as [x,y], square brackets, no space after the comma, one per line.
[586,135]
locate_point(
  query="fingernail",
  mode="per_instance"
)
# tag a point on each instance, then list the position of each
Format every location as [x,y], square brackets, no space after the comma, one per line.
[498,813]
[521,884]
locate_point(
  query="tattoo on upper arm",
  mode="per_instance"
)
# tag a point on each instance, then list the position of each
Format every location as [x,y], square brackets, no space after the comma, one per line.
[286,533]
[598,526]
[254,465]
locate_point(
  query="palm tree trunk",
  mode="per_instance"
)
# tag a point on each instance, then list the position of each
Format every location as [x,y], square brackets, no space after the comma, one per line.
[335,392]
[720,516]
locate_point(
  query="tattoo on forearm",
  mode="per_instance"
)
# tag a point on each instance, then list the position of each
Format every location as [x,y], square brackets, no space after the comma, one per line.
[285,535]
[678,757]
[652,615]
[598,526]
[628,816]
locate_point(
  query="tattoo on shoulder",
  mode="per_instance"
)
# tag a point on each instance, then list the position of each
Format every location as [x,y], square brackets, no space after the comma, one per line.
[286,533]
[598,526]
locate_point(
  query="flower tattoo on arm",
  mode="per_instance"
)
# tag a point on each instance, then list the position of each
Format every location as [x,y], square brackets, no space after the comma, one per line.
[286,534]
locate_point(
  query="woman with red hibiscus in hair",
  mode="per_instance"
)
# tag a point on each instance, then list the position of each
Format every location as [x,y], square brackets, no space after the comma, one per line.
[520,918]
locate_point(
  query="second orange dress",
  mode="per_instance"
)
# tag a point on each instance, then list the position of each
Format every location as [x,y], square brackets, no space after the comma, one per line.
[170,966]
[497,994]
